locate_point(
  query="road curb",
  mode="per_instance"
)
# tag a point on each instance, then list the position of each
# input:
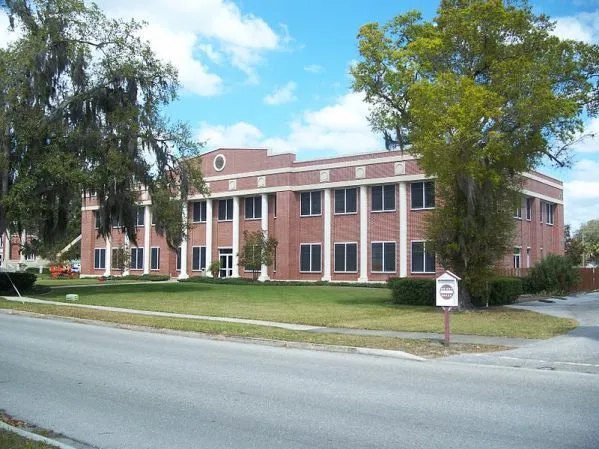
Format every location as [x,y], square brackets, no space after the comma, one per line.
[238,339]
[34,436]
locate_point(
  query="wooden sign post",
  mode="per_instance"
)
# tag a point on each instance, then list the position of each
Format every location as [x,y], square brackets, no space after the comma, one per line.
[447,297]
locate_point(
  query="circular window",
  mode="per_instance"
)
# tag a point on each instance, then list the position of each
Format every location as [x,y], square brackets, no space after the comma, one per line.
[219,162]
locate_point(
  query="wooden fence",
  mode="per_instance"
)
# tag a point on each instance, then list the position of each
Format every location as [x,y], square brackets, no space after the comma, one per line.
[589,277]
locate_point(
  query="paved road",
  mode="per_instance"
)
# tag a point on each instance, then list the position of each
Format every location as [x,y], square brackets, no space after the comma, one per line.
[576,351]
[116,388]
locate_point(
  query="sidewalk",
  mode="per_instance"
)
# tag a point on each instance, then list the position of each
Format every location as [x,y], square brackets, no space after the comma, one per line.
[468,339]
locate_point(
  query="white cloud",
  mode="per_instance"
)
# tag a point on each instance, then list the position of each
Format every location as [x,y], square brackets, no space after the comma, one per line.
[590,143]
[341,128]
[581,193]
[581,27]
[282,95]
[215,28]
[6,36]
[313,68]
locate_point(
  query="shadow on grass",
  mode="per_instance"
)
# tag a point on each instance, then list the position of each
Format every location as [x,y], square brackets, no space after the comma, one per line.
[115,288]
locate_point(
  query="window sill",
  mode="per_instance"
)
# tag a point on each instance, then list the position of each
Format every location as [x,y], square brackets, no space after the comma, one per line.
[346,213]
[423,272]
[383,272]
[423,208]
[228,220]
[345,272]
[311,272]
[253,219]
[198,222]
[313,215]
[382,211]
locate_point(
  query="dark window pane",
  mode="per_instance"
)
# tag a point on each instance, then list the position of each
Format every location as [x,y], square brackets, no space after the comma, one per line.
[140,218]
[429,194]
[340,201]
[102,258]
[97,219]
[351,200]
[340,257]
[389,201]
[351,256]
[377,198]
[222,209]
[417,257]
[316,203]
[195,258]
[377,257]
[417,195]
[315,257]
[230,209]
[305,203]
[155,259]
[305,258]
[249,208]
[178,267]
[199,211]
[429,261]
[257,207]
[389,256]
[202,258]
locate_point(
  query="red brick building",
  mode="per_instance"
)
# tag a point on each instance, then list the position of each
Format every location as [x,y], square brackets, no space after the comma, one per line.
[351,218]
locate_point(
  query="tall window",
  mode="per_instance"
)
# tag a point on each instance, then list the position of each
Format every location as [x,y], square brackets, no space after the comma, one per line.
[529,203]
[423,260]
[199,211]
[198,258]
[137,258]
[383,197]
[153,215]
[225,210]
[252,255]
[310,255]
[99,258]
[541,211]
[178,260]
[346,257]
[155,259]
[550,212]
[310,203]
[140,216]
[383,257]
[253,207]
[116,260]
[97,219]
[345,201]
[518,213]
[423,195]
[517,255]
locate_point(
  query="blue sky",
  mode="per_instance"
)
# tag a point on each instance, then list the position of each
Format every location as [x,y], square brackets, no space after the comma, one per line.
[274,73]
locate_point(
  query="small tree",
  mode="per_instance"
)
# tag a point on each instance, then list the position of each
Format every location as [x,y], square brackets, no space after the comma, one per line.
[120,259]
[573,246]
[214,268]
[258,250]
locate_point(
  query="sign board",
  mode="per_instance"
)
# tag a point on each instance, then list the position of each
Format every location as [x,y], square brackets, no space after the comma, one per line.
[447,290]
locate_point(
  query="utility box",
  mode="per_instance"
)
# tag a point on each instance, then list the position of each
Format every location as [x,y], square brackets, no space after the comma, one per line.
[447,290]
[72,297]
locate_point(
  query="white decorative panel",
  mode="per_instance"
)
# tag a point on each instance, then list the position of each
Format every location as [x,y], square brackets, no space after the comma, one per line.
[324,175]
[232,184]
[261,181]
[360,172]
[400,168]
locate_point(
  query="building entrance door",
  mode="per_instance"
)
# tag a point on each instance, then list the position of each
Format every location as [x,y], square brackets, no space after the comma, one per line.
[226,262]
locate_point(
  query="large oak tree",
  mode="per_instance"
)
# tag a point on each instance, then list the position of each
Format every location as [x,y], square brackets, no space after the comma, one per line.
[82,110]
[480,94]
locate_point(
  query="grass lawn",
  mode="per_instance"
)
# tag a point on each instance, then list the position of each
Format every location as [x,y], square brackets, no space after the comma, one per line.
[424,348]
[9,440]
[350,307]
[58,282]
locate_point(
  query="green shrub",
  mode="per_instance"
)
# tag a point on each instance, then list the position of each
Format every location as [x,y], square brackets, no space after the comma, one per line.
[154,277]
[139,277]
[275,283]
[36,270]
[22,280]
[502,290]
[418,292]
[554,275]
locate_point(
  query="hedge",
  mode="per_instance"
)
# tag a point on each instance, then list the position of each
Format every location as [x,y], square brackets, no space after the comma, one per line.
[22,280]
[502,290]
[554,275]
[139,277]
[36,270]
[417,292]
[247,281]
[421,292]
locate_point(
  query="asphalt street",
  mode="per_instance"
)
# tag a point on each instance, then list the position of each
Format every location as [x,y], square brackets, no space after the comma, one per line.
[115,388]
[575,351]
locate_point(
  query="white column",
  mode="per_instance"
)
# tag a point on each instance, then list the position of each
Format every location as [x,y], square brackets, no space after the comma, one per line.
[183,273]
[147,236]
[108,258]
[208,235]
[23,241]
[403,230]
[127,250]
[264,227]
[363,234]
[326,271]
[5,248]
[235,237]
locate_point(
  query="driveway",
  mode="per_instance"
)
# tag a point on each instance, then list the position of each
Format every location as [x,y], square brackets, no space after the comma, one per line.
[576,351]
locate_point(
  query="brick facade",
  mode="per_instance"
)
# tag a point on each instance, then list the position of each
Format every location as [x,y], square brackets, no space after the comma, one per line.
[278,181]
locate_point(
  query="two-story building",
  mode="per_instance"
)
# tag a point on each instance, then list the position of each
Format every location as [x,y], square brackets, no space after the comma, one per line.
[350,218]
